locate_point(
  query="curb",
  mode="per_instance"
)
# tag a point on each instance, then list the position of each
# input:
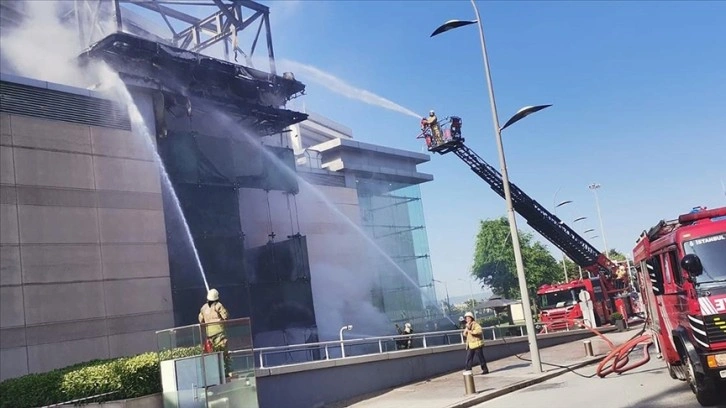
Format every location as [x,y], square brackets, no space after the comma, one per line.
[522,384]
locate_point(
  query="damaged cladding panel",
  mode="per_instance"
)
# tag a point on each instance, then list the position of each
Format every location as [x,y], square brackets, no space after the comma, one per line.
[254,96]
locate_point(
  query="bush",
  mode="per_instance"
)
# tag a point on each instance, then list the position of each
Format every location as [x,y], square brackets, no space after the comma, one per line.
[127,377]
[615,316]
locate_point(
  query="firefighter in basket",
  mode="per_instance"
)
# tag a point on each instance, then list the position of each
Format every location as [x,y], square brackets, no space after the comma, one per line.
[212,314]
[433,124]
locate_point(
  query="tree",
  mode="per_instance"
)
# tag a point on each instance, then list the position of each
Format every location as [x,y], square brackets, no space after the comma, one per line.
[573,272]
[615,255]
[494,260]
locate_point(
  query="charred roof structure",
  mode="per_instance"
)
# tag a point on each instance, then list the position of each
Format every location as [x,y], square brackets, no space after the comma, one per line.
[172,63]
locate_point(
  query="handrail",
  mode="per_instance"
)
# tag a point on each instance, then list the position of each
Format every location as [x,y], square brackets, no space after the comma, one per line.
[325,346]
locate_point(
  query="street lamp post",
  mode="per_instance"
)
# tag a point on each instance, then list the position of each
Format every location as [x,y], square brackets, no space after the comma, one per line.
[448,301]
[594,187]
[342,345]
[556,206]
[531,334]
[471,296]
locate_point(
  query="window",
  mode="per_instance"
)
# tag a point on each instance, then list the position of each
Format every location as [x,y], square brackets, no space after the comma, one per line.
[675,267]
[655,272]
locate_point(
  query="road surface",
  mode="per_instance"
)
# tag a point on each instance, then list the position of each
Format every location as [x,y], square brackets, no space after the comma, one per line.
[649,386]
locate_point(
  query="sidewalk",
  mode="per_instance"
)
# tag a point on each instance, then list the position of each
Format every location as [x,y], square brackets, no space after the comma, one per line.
[506,375]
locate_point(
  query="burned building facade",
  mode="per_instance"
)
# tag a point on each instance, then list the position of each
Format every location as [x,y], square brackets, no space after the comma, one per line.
[118,214]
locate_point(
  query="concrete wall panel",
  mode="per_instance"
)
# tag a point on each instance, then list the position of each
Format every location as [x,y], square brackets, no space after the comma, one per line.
[126,175]
[13,362]
[132,343]
[8,224]
[65,331]
[45,357]
[5,133]
[135,261]
[156,320]
[10,265]
[12,337]
[133,296]
[132,226]
[50,134]
[57,225]
[56,197]
[53,169]
[120,143]
[7,166]
[8,194]
[63,302]
[61,263]
[130,200]
[11,312]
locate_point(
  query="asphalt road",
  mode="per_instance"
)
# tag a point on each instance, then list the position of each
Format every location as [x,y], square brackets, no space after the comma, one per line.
[647,386]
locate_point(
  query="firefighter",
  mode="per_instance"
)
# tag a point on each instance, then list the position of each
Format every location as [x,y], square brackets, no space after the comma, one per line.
[426,132]
[404,342]
[433,123]
[474,337]
[620,277]
[211,315]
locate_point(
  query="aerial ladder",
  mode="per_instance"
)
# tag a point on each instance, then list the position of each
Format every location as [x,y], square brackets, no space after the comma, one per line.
[447,138]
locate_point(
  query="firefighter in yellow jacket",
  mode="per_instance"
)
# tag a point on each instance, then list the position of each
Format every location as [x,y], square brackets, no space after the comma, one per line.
[211,315]
[474,338]
[433,123]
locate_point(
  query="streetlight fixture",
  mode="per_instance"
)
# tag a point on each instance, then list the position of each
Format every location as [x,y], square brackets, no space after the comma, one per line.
[342,346]
[531,334]
[594,187]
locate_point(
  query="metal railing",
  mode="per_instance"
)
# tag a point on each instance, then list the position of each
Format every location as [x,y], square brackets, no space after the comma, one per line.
[267,357]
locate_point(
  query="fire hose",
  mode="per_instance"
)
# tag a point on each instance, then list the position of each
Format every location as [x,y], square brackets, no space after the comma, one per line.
[618,358]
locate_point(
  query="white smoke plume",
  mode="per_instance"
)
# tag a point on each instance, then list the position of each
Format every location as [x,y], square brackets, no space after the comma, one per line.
[343,88]
[43,46]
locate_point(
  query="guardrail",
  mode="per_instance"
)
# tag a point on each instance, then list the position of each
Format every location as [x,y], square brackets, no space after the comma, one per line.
[267,357]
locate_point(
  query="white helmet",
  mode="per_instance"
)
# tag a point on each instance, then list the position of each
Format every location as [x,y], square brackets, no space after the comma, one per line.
[431,112]
[407,325]
[469,314]
[213,295]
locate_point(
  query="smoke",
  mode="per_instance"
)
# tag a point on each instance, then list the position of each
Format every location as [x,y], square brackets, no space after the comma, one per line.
[341,87]
[43,46]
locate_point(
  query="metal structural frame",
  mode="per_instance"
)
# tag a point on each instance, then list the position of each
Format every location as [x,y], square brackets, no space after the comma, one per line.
[185,31]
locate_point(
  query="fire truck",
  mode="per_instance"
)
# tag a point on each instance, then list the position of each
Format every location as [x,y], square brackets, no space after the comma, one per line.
[558,303]
[681,268]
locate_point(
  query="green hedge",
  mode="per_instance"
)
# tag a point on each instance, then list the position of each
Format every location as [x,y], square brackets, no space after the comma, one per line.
[127,377]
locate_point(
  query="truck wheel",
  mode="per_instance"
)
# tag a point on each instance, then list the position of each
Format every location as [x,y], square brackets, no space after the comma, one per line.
[705,395]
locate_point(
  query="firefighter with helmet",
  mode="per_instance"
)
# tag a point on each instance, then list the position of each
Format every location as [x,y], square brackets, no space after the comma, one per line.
[474,336]
[433,123]
[211,315]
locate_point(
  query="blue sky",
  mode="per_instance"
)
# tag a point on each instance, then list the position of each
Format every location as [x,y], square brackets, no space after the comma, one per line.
[638,92]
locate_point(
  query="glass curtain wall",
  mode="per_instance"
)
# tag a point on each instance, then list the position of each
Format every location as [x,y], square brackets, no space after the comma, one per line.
[392,215]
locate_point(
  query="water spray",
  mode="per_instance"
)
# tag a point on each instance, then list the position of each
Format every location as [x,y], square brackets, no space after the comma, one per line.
[113,82]
[341,87]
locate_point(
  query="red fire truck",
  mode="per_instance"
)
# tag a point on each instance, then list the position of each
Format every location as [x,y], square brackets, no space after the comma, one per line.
[681,268]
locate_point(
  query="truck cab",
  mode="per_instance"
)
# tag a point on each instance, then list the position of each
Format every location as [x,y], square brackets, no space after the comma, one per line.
[559,304]
[681,267]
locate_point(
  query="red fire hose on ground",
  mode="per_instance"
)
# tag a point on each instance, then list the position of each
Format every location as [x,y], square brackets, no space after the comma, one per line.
[617,360]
